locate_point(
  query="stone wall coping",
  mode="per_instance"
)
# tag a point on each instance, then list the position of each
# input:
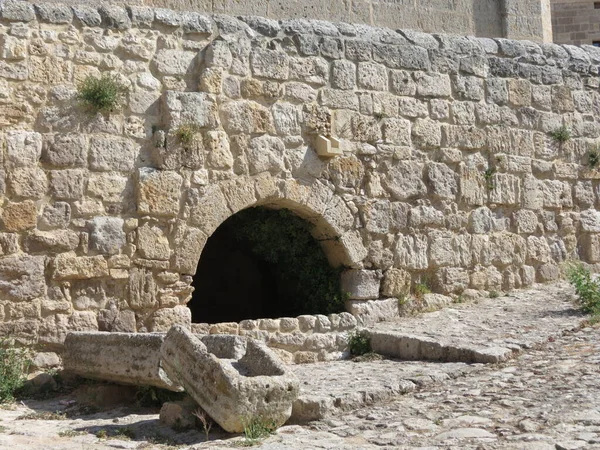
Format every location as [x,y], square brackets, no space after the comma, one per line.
[122,18]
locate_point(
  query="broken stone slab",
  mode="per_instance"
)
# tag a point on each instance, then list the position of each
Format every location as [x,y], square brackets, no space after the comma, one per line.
[128,358]
[234,379]
[422,348]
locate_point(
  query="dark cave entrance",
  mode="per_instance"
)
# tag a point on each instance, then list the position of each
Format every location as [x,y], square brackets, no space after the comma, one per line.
[263,263]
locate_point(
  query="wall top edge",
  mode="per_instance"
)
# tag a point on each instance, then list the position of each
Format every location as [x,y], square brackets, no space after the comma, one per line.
[225,26]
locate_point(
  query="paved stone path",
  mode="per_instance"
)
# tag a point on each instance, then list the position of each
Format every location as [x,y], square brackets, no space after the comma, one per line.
[547,397]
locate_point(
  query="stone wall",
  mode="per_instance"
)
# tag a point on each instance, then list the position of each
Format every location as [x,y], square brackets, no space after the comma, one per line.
[448,169]
[575,22]
[514,19]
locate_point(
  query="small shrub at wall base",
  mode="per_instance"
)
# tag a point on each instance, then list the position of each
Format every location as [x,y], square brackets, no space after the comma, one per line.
[14,364]
[104,94]
[594,159]
[359,343]
[586,288]
[257,428]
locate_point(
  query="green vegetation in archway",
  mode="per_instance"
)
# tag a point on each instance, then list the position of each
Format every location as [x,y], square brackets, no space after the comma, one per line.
[301,273]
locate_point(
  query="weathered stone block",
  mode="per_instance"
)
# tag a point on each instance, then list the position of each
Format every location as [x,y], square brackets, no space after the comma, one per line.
[361,284]
[159,192]
[51,241]
[22,277]
[411,252]
[66,150]
[184,108]
[28,182]
[433,84]
[443,180]
[246,117]
[19,216]
[68,266]
[165,318]
[262,387]
[152,243]
[112,153]
[404,180]
[67,184]
[107,235]
[23,148]
[270,64]
[396,283]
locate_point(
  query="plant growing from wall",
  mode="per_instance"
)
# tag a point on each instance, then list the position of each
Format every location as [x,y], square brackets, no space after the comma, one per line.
[488,176]
[186,133]
[586,288]
[562,134]
[300,271]
[593,158]
[14,364]
[104,94]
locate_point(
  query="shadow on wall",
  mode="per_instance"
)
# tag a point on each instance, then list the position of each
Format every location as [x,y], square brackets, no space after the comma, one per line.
[263,263]
[486,18]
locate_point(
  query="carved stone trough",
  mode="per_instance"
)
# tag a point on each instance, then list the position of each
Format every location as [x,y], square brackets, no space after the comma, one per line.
[234,379]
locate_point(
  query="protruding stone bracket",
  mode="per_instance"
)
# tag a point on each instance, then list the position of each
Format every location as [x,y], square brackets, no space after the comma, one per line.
[328,147]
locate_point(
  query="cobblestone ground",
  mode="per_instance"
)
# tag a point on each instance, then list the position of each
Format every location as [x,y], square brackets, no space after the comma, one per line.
[548,397]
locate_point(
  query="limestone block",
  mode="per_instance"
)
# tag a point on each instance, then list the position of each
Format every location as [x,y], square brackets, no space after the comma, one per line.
[590,221]
[159,192]
[411,252]
[108,187]
[402,83]
[555,193]
[395,131]
[107,234]
[452,280]
[152,243]
[109,356]
[519,92]
[22,277]
[527,275]
[51,241]
[164,318]
[361,284]
[440,109]
[423,216]
[273,64]
[411,107]
[427,133]
[15,11]
[376,215]
[507,249]
[548,272]
[287,118]
[525,221]
[367,129]
[538,250]
[28,182]
[23,148]
[506,189]
[68,266]
[112,153]
[343,75]
[208,208]
[189,243]
[404,180]
[464,137]
[258,386]
[472,186]
[116,321]
[142,289]
[312,70]
[218,54]
[67,184]
[9,243]
[433,84]
[448,249]
[183,108]
[300,92]
[443,180]
[173,62]
[372,311]
[66,150]
[265,153]
[562,99]
[19,216]
[246,117]
[584,194]
[396,283]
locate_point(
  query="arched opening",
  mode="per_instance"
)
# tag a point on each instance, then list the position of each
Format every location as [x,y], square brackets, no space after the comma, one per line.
[263,263]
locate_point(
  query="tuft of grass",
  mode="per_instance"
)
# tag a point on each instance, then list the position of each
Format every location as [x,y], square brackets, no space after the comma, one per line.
[104,94]
[494,294]
[205,420]
[43,415]
[488,175]
[359,343]
[71,433]
[586,288]
[420,289]
[258,428]
[593,158]
[562,134]
[186,133]
[14,365]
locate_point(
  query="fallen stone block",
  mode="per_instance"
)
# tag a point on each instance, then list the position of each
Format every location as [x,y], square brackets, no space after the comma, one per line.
[128,358]
[234,379]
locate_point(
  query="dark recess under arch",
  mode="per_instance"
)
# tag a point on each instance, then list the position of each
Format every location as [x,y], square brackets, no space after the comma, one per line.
[263,263]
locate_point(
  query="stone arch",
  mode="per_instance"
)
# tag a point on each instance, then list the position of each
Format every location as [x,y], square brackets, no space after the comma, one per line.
[332,227]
